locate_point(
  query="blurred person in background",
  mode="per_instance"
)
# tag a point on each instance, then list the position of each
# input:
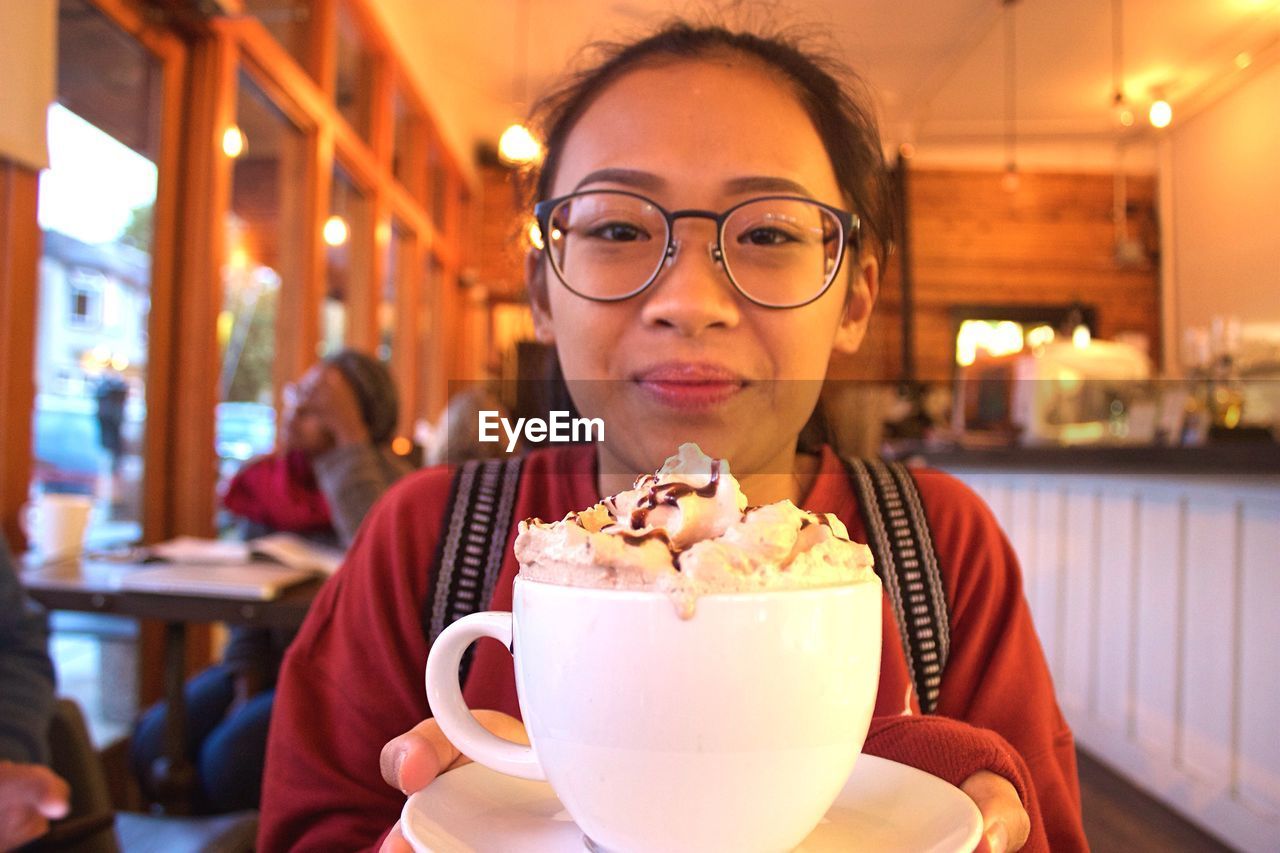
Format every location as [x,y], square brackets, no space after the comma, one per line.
[333,463]
[455,438]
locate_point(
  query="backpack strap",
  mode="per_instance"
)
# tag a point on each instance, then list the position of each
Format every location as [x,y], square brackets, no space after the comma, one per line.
[899,538]
[469,557]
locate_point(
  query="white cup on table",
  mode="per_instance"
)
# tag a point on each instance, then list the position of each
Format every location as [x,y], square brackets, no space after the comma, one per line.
[732,730]
[56,523]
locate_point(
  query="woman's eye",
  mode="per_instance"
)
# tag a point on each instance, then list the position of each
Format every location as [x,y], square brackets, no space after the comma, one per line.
[619,232]
[765,237]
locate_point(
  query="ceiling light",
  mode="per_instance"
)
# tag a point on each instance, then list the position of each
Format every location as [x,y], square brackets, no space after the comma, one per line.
[1160,113]
[517,146]
[233,142]
[336,230]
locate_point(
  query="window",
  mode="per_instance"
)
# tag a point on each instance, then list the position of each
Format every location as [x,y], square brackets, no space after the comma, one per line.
[86,298]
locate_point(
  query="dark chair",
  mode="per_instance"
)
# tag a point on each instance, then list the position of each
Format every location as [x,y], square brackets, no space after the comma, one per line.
[93,825]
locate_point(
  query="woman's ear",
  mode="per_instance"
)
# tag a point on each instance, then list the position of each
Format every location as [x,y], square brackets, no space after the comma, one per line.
[535,279]
[857,305]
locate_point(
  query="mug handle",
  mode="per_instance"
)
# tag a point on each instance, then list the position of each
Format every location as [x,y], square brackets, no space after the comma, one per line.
[444,694]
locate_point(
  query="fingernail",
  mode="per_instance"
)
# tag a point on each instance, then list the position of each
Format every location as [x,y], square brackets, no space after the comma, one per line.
[998,838]
[397,759]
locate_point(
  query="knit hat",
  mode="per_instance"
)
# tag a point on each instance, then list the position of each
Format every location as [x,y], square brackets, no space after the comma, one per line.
[375,391]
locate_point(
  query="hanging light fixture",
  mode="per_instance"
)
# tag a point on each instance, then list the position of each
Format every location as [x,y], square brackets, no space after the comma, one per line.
[1121,111]
[233,141]
[1161,113]
[518,146]
[1009,181]
[336,231]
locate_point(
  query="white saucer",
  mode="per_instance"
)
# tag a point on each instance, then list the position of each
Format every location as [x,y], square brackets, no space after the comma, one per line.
[885,806]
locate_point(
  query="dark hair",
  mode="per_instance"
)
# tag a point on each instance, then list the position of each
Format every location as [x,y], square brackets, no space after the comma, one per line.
[375,391]
[846,126]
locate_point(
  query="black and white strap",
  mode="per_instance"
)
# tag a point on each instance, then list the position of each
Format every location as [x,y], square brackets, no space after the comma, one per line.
[899,538]
[469,558]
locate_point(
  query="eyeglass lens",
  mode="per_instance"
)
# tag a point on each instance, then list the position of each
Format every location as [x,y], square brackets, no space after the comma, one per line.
[779,252]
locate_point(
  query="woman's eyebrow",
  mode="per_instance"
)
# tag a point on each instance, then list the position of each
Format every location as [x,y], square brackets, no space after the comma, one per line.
[629,177]
[765,184]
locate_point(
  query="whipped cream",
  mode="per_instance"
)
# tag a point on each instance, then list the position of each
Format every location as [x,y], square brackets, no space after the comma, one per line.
[686,530]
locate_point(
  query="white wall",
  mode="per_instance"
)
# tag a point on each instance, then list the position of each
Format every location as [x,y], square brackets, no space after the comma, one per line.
[1223,182]
[28,39]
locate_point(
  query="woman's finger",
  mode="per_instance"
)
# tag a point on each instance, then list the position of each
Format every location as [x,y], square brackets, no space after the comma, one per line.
[395,842]
[1005,823]
[409,762]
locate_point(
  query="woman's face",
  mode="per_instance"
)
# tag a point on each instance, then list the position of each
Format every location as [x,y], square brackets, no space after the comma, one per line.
[689,358]
[303,426]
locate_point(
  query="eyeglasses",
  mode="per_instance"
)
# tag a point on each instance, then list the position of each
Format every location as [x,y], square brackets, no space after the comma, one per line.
[778,251]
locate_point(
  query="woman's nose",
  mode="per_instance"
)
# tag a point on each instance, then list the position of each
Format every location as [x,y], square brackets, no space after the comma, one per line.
[692,292]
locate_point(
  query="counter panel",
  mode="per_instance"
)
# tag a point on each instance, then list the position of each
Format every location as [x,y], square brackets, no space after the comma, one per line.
[1157,600]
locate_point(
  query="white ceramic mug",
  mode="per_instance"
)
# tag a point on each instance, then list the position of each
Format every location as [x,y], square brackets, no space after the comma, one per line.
[55,525]
[732,730]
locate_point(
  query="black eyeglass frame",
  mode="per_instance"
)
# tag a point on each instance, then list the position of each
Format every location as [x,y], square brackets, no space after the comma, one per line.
[850,234]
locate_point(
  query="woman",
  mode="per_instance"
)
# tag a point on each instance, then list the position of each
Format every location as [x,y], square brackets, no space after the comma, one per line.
[334,464]
[721,142]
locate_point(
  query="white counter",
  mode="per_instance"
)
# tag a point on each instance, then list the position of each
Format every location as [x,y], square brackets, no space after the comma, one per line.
[1157,600]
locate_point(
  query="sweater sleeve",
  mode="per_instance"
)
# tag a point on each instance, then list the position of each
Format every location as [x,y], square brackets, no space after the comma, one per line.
[353,680]
[996,676]
[26,672]
[954,751]
[352,479]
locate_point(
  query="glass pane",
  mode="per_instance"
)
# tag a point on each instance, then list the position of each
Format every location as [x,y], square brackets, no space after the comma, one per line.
[353,88]
[428,313]
[392,269]
[95,208]
[289,21]
[348,235]
[89,419]
[265,246]
[406,160]
[439,189]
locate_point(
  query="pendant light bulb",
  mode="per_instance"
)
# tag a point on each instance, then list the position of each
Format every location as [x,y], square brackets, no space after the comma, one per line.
[518,147]
[1160,114]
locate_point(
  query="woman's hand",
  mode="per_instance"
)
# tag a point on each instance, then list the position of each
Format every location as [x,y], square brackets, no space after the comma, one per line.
[30,796]
[1005,823]
[411,761]
[330,397]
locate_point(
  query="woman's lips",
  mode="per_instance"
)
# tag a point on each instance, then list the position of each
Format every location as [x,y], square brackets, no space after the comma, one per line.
[690,386]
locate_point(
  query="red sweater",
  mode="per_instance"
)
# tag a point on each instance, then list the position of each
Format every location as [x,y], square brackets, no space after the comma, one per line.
[352,680]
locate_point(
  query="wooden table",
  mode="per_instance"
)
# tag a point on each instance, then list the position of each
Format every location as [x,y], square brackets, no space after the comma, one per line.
[93,586]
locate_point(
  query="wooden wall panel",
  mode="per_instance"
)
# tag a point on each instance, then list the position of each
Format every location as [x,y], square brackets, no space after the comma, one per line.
[1051,242]
[1117,566]
[1048,557]
[1258,770]
[20,247]
[1208,694]
[1079,582]
[1159,578]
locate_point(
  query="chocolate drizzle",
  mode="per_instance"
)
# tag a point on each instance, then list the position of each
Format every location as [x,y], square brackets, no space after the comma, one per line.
[667,494]
[641,538]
